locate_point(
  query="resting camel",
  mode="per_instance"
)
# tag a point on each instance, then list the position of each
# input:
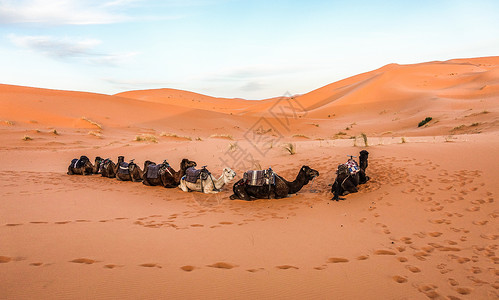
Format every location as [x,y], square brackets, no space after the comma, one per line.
[81,166]
[129,172]
[97,165]
[282,188]
[109,168]
[170,178]
[346,181]
[208,185]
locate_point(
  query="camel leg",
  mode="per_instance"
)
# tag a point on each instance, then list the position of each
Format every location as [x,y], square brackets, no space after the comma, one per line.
[182,186]
[240,193]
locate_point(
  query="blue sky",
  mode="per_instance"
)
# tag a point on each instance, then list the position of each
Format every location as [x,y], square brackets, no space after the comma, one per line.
[230,48]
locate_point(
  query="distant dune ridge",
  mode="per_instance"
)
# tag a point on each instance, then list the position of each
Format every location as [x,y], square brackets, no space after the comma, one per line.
[428,215]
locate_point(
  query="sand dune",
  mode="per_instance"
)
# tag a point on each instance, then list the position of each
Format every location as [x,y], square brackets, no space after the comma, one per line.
[424,226]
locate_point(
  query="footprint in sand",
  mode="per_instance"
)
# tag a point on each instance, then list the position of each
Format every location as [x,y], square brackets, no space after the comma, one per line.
[435,234]
[39,222]
[151,265]
[14,224]
[225,223]
[86,261]
[112,266]
[62,222]
[363,257]
[335,260]
[255,270]
[453,282]
[222,265]
[413,269]
[400,279]
[384,252]
[402,259]
[197,225]
[187,268]
[286,267]
[5,259]
[464,290]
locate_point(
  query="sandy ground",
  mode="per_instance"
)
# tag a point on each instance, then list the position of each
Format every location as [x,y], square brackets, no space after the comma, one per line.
[425,226]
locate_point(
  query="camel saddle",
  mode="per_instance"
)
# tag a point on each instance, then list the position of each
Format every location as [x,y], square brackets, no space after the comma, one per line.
[78,163]
[353,167]
[192,174]
[259,177]
[154,170]
[123,168]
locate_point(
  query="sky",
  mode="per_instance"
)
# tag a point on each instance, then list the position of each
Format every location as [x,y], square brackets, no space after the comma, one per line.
[231,48]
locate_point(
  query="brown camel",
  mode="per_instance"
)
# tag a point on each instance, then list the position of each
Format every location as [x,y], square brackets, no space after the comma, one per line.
[82,166]
[97,165]
[170,178]
[280,189]
[129,172]
[109,168]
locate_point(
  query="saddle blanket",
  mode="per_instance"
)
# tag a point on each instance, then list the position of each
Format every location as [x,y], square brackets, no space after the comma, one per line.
[353,167]
[192,175]
[123,169]
[259,177]
[153,171]
[78,163]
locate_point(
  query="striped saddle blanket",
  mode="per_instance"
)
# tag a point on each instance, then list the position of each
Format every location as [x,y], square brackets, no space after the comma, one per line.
[259,177]
[353,167]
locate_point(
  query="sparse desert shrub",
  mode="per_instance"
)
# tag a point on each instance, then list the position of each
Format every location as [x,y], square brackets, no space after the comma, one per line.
[164,134]
[403,141]
[146,138]
[95,133]
[222,136]
[27,138]
[291,148]
[232,146]
[7,122]
[426,120]
[199,139]
[364,137]
[300,136]
[91,122]
[474,124]
[55,132]
[458,127]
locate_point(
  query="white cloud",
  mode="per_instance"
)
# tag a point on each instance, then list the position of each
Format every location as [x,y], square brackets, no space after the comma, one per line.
[61,12]
[70,48]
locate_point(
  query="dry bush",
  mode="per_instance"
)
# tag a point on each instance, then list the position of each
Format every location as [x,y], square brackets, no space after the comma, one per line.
[146,138]
[91,122]
[291,148]
[222,136]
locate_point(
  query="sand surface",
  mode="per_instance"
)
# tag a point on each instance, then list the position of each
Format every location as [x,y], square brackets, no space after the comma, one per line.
[424,226]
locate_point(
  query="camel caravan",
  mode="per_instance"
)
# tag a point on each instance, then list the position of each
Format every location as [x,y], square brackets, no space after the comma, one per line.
[255,184]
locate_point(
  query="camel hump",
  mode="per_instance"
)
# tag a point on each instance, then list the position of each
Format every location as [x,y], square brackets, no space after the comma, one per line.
[192,174]
[259,177]
[352,166]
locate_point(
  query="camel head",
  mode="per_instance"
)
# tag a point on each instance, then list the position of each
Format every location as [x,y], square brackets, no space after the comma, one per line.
[98,160]
[185,164]
[229,174]
[363,159]
[309,172]
[121,159]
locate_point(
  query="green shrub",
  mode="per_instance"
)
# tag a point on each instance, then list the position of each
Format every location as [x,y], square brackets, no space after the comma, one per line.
[428,119]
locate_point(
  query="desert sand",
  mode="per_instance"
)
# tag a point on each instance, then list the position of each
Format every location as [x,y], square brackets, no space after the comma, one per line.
[424,226]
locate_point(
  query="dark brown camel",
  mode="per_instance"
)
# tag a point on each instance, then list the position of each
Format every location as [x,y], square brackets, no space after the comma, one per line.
[97,165]
[109,168]
[346,182]
[82,166]
[129,172]
[169,178]
[282,188]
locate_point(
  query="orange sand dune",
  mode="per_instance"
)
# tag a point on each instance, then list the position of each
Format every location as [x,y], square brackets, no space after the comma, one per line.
[424,226]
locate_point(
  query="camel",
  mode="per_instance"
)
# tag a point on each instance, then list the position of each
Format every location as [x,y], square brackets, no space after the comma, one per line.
[170,179]
[280,189]
[129,172]
[82,166]
[153,173]
[97,165]
[208,185]
[346,181]
[109,168]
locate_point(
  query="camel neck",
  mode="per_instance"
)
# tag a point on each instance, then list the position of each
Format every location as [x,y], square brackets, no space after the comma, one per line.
[296,185]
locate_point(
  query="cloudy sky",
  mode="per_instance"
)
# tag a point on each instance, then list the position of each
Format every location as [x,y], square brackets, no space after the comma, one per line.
[251,49]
